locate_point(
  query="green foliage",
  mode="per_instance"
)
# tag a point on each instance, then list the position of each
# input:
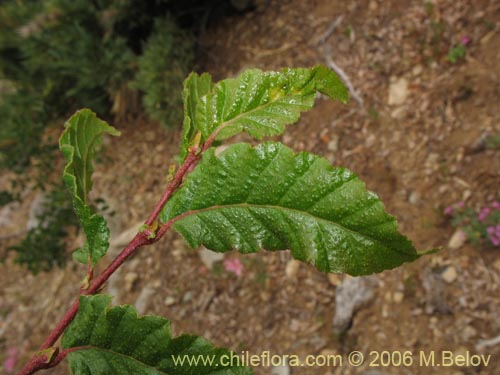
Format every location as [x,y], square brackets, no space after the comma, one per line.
[45,245]
[115,340]
[492,142]
[167,56]
[481,228]
[247,198]
[456,53]
[23,119]
[259,103]
[267,197]
[6,197]
[60,55]
[80,138]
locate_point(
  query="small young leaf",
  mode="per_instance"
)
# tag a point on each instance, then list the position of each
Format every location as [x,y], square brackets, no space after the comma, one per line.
[268,197]
[114,340]
[259,103]
[195,87]
[82,134]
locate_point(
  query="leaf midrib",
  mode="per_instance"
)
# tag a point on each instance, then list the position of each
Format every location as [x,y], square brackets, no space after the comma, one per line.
[254,205]
[118,354]
[230,122]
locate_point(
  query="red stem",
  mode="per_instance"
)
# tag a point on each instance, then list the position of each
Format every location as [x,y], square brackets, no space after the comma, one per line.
[38,362]
[188,162]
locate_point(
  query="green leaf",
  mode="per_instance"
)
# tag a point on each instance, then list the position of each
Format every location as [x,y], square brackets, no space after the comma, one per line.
[114,340]
[267,197]
[259,103]
[82,134]
[195,87]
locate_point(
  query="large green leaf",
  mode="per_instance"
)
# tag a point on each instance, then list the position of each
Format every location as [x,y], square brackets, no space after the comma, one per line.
[114,340]
[82,134]
[268,197]
[259,103]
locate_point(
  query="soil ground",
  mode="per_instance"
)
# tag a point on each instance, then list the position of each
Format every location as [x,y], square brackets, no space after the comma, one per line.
[419,151]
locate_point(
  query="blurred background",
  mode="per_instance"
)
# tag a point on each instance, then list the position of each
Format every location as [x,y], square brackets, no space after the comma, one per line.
[422,129]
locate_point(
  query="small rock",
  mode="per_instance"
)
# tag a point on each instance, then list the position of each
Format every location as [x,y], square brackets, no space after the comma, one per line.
[352,294]
[334,279]
[399,113]
[370,140]
[398,91]
[414,198]
[188,296]
[433,284]
[457,240]
[209,257]
[467,333]
[284,369]
[417,70]
[130,279]
[292,267]
[169,301]
[449,275]
[398,297]
[333,145]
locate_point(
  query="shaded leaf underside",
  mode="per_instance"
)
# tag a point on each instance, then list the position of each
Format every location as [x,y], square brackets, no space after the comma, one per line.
[267,197]
[82,134]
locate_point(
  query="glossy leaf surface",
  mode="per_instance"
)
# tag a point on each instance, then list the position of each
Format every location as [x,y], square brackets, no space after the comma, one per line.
[259,103]
[268,197]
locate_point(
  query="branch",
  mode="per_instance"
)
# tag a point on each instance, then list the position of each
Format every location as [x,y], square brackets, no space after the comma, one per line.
[38,361]
[327,52]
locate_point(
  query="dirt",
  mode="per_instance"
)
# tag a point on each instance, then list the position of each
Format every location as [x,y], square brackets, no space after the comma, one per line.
[420,156]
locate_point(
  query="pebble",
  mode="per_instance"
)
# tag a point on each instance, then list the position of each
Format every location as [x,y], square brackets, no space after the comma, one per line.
[468,332]
[414,198]
[209,257]
[449,275]
[292,267]
[284,369]
[169,301]
[398,91]
[351,295]
[398,297]
[417,70]
[333,145]
[457,240]
[334,279]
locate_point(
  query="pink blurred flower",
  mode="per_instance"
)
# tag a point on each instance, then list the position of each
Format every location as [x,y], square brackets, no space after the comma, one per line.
[234,265]
[483,214]
[448,210]
[494,240]
[496,205]
[461,204]
[465,40]
[10,362]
